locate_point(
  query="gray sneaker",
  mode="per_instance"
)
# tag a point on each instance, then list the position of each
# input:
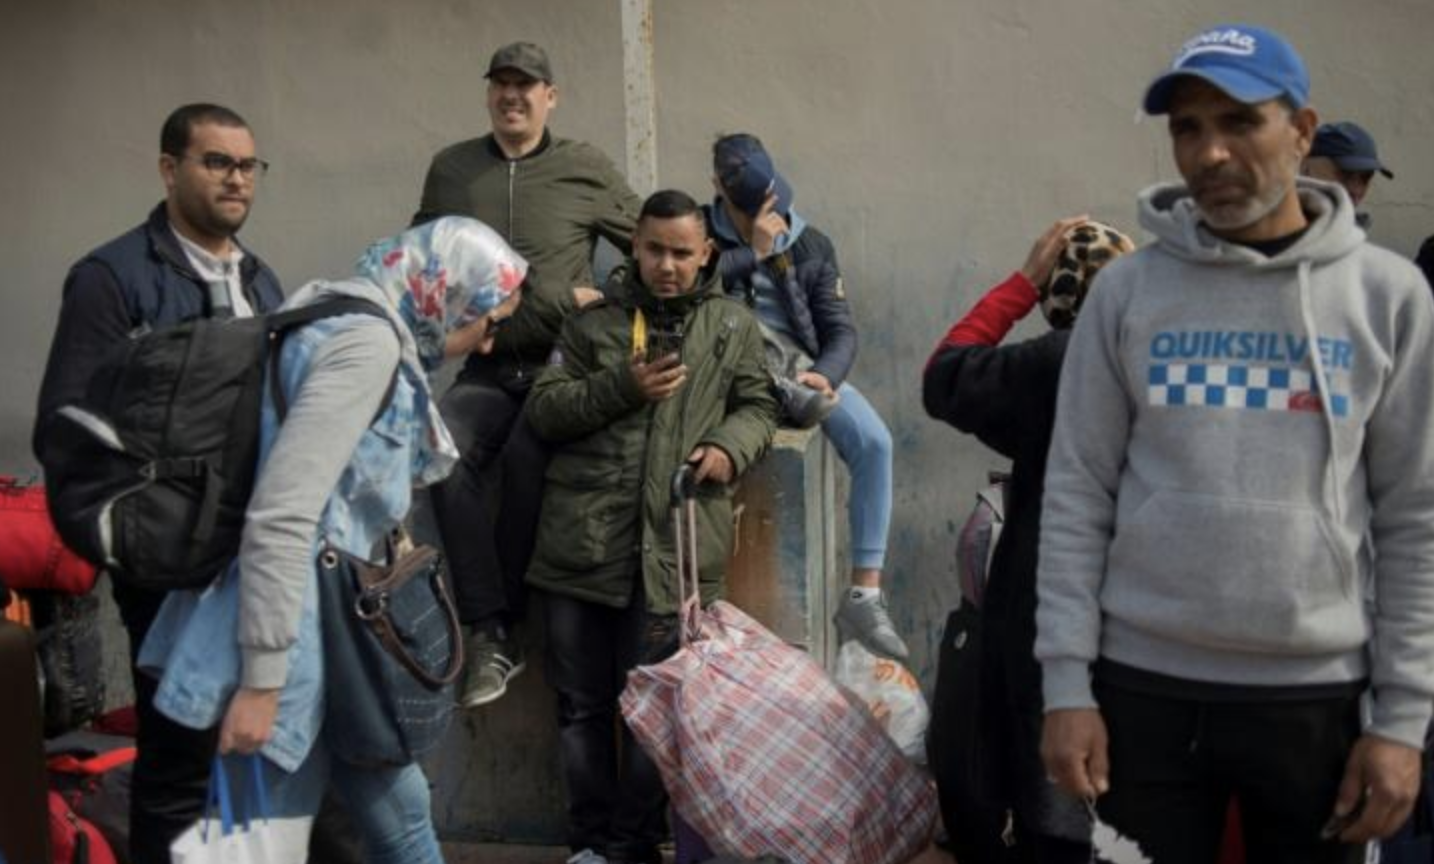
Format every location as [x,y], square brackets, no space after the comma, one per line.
[491,663]
[803,407]
[587,856]
[867,621]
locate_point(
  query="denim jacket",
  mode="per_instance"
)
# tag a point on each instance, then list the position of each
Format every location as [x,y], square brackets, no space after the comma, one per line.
[194,644]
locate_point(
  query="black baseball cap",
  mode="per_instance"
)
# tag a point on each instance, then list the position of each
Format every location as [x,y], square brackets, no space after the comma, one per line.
[524,57]
[1348,146]
[747,175]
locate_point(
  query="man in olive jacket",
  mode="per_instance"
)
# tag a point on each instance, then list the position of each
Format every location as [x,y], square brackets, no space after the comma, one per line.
[669,372]
[552,199]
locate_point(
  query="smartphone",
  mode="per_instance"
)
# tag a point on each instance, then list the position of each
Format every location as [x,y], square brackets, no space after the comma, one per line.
[664,338]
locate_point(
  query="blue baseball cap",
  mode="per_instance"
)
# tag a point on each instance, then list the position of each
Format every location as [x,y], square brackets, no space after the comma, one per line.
[747,175]
[1249,64]
[1348,146]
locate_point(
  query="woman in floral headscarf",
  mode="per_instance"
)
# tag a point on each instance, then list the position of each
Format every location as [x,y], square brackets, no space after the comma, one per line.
[359,433]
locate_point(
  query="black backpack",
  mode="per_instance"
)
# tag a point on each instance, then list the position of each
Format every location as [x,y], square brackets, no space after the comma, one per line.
[150,474]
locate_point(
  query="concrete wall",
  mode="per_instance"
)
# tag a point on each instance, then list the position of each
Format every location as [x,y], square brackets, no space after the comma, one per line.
[931,138]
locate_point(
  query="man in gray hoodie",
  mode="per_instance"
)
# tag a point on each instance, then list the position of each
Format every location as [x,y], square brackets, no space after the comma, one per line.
[1244,402]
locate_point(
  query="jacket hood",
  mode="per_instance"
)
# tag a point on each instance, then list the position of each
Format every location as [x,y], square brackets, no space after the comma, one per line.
[727,232]
[1168,211]
[635,293]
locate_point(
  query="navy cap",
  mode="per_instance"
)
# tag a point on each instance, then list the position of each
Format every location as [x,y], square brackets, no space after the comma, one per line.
[747,175]
[1349,147]
[525,57]
[1250,64]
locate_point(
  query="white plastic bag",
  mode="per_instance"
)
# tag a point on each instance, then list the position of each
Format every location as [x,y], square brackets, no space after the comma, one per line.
[217,838]
[890,692]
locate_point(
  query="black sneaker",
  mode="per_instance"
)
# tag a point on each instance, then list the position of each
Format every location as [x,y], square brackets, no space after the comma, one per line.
[491,662]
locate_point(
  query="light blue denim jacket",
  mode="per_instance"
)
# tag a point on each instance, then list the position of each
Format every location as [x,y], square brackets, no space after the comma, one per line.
[194,644]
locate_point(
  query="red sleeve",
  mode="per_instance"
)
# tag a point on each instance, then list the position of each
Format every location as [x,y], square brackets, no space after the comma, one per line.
[993,316]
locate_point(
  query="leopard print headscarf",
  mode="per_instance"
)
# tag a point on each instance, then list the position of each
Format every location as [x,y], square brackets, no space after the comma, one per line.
[1089,246]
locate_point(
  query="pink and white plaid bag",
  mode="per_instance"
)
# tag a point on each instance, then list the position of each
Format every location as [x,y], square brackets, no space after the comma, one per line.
[762,753]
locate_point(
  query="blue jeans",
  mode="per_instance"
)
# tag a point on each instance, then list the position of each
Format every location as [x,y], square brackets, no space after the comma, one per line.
[864,445]
[389,806]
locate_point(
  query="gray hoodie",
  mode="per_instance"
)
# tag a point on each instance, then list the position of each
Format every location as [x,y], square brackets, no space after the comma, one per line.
[1230,428]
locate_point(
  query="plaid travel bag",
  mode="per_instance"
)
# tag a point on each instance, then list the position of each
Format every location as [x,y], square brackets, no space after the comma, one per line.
[760,751]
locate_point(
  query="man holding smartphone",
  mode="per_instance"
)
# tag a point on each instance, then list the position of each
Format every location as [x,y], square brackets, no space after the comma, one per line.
[669,371]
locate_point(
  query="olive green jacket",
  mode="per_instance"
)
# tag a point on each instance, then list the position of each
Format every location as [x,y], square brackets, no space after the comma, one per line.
[551,205]
[606,507]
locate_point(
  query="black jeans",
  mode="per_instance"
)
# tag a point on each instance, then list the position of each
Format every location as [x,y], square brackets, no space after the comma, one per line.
[1175,764]
[487,509]
[171,770]
[616,801]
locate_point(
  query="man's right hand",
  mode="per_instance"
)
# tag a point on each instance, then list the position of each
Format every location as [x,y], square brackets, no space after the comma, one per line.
[659,379]
[1073,747]
[767,226]
[1041,261]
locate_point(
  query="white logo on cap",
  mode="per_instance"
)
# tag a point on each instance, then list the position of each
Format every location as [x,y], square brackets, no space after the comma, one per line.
[1232,41]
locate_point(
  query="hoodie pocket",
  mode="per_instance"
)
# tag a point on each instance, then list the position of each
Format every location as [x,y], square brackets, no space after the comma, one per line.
[1233,574]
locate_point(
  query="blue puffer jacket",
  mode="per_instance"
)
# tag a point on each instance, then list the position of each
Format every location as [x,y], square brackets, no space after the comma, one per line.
[812,293]
[141,279]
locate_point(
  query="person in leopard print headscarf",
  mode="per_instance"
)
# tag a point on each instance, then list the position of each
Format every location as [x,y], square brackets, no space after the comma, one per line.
[1006,396]
[1086,247]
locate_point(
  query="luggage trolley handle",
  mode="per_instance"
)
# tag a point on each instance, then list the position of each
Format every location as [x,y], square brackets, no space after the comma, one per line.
[684,539]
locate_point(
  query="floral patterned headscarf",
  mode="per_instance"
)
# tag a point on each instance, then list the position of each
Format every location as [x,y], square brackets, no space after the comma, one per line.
[443,275]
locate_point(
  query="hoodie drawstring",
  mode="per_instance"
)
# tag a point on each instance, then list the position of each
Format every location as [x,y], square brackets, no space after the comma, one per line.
[1333,492]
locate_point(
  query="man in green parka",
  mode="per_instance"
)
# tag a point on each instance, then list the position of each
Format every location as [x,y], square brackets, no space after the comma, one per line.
[668,371]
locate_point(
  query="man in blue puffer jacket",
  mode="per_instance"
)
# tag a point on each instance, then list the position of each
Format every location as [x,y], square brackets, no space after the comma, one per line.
[786,270]
[183,262]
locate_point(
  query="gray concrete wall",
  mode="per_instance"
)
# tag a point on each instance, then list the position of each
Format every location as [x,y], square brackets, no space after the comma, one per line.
[931,138]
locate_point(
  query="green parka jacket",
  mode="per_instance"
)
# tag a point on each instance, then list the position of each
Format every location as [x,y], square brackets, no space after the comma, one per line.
[606,508]
[551,205]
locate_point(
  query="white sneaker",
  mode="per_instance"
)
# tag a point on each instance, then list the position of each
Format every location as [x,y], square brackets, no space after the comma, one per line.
[866,620]
[587,856]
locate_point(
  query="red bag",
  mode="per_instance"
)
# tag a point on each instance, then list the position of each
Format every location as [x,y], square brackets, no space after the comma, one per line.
[74,840]
[32,558]
[92,773]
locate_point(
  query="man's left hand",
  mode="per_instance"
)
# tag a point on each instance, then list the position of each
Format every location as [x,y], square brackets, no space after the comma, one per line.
[817,381]
[1386,773]
[712,463]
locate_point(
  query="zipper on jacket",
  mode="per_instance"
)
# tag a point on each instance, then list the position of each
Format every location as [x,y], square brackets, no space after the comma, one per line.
[512,177]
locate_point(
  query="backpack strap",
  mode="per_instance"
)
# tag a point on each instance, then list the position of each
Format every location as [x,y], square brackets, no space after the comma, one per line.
[282,323]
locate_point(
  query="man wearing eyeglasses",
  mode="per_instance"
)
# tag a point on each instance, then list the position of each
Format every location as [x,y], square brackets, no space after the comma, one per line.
[183,262]
[552,199]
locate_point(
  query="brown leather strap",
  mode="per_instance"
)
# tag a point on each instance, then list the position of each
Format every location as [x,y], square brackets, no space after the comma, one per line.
[377,581]
[382,627]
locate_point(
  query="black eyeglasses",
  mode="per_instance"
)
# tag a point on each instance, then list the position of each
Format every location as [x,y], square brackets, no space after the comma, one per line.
[221,164]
